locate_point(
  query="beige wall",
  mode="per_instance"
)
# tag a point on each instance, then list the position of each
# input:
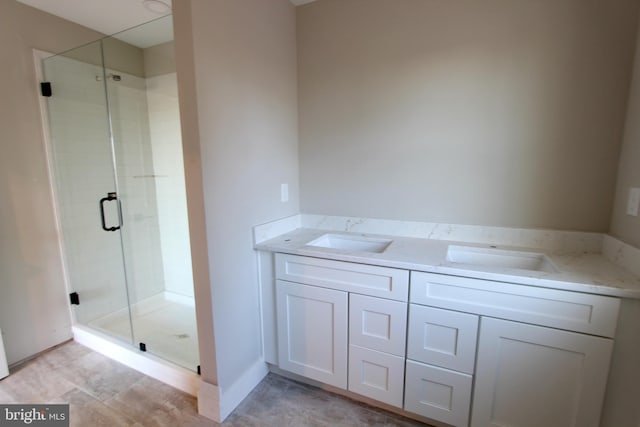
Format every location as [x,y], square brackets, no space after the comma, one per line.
[124,57]
[623,226]
[118,55]
[159,59]
[190,132]
[238,86]
[34,313]
[488,112]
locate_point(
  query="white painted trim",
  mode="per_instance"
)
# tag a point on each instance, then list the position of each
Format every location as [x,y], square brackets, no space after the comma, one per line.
[268,324]
[4,369]
[231,398]
[216,404]
[260,279]
[157,368]
[209,401]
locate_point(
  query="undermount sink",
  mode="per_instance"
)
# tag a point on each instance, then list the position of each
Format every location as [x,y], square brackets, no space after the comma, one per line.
[489,257]
[351,243]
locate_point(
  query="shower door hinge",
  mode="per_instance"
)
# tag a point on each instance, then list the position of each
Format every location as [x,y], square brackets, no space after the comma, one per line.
[143,347]
[74,298]
[45,89]
[199,371]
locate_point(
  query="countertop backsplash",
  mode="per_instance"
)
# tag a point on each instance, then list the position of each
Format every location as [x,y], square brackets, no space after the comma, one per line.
[548,240]
[598,262]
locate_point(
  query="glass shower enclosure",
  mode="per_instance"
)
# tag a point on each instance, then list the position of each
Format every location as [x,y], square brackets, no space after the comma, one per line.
[116,152]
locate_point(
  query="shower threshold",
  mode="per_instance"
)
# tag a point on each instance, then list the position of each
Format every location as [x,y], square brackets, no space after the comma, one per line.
[166,324]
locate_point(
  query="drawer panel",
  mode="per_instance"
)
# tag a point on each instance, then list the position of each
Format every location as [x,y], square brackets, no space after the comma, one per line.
[376,375]
[378,324]
[439,394]
[591,314]
[364,279]
[442,337]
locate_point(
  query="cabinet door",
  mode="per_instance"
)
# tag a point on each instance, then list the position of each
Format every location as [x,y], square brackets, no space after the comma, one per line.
[378,324]
[532,376]
[312,332]
[377,375]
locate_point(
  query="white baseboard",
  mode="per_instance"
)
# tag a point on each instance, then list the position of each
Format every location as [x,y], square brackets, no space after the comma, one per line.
[231,397]
[4,369]
[209,401]
[217,404]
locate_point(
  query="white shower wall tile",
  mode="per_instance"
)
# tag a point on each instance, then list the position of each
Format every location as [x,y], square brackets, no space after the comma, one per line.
[137,190]
[168,171]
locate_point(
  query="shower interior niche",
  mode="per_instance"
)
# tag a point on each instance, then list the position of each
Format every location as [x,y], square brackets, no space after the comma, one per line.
[115,155]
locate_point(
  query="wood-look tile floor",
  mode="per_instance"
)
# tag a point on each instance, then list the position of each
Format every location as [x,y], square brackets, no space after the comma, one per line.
[102,392]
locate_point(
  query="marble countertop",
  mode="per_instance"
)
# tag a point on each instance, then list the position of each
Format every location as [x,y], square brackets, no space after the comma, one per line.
[580,272]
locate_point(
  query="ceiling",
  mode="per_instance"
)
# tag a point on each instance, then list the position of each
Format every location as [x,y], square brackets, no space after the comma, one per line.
[113,16]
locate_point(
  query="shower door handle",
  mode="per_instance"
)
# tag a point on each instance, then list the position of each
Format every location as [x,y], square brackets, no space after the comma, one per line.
[110,197]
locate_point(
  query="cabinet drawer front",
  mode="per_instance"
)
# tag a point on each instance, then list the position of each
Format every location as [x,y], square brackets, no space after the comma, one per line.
[534,376]
[379,376]
[439,394]
[378,324]
[312,332]
[442,337]
[592,314]
[371,280]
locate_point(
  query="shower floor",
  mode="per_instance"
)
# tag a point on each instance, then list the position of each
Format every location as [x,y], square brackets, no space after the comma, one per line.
[166,323]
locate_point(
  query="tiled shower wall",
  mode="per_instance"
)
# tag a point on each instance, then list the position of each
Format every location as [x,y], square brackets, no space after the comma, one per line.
[164,123]
[137,185]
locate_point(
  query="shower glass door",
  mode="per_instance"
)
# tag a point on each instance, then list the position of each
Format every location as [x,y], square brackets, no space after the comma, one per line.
[86,188]
[145,121]
[117,156]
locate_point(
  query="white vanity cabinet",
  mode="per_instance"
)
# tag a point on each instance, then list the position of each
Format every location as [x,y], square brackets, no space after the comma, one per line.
[465,352]
[320,302]
[543,355]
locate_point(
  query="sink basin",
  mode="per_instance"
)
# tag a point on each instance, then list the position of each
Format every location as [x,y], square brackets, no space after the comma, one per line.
[488,257]
[351,243]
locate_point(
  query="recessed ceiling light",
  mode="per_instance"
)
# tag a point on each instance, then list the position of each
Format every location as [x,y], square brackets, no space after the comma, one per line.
[156,6]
